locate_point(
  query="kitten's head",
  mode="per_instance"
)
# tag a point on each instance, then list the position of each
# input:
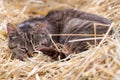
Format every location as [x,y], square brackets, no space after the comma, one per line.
[27,37]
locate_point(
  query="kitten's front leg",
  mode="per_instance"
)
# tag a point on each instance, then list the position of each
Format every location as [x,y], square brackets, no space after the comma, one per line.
[53,53]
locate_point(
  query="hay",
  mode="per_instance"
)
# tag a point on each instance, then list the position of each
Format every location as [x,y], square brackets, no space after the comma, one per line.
[99,63]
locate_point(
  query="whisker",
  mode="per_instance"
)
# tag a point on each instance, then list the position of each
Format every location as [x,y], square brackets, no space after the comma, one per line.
[85,39]
[76,34]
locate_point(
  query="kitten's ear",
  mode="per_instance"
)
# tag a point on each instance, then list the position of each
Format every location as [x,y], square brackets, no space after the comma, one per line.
[10,28]
[41,26]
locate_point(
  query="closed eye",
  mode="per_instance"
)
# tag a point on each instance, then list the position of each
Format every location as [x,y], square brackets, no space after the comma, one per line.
[25,49]
[12,47]
[43,34]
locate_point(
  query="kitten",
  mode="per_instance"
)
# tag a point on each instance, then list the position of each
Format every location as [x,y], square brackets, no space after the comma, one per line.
[33,34]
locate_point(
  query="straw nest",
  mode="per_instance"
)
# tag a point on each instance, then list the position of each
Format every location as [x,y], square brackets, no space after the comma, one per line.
[99,63]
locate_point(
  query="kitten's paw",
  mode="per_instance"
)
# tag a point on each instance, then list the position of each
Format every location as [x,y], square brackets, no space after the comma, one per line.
[53,53]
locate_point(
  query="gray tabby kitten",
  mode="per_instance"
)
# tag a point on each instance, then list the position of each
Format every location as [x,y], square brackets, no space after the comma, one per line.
[33,34]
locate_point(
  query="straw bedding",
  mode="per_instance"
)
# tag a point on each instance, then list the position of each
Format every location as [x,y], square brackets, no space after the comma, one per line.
[99,63]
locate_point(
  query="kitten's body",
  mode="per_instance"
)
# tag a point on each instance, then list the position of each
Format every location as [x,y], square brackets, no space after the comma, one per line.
[33,34]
